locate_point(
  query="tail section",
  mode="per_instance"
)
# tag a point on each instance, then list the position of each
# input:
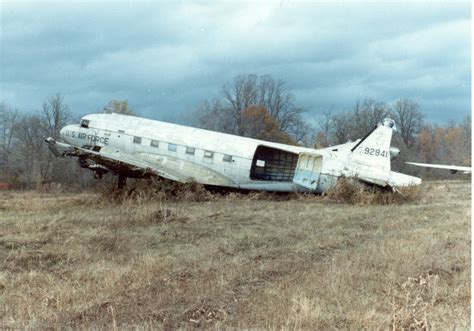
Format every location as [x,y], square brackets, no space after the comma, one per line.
[374,149]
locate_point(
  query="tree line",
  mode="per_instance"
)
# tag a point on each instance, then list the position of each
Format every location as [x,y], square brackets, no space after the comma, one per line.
[252,106]
[25,160]
[418,139]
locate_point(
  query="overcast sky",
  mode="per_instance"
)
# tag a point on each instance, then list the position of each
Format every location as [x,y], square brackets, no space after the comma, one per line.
[166,58]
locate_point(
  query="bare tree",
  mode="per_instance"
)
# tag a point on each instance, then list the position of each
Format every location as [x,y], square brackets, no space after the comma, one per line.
[30,151]
[366,116]
[236,97]
[34,164]
[8,120]
[224,113]
[342,126]
[326,125]
[355,124]
[56,115]
[279,102]
[409,120]
[213,116]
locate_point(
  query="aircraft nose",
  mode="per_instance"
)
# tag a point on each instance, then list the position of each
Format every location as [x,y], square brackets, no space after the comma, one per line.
[62,133]
[65,132]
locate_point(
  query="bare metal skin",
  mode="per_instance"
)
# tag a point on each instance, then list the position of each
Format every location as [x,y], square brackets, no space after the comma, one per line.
[136,147]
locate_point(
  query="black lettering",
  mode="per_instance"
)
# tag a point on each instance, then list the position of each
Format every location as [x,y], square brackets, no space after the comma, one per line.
[376,152]
[90,137]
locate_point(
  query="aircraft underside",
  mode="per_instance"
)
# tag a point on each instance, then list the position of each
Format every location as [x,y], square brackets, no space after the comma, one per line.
[279,173]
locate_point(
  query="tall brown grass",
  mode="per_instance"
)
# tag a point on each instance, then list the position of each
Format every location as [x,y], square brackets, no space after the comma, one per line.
[155,190]
[353,192]
[235,261]
[345,191]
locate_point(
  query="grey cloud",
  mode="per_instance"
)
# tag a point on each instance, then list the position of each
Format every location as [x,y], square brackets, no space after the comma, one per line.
[167,58]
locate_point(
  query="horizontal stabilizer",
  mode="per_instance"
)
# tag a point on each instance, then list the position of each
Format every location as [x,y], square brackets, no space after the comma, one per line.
[466,170]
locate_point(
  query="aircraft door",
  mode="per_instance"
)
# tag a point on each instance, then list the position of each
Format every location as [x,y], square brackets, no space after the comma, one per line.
[308,170]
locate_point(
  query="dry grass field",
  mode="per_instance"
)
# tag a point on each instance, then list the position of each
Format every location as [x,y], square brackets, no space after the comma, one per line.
[255,261]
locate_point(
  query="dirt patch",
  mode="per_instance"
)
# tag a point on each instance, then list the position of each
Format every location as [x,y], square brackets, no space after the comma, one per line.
[36,260]
[204,314]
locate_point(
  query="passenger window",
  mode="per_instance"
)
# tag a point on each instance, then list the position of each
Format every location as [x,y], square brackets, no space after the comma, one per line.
[84,123]
[190,150]
[227,158]
[208,154]
[154,143]
[172,147]
[137,140]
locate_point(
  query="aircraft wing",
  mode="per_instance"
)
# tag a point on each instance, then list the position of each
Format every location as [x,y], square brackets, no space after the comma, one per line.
[452,168]
[111,159]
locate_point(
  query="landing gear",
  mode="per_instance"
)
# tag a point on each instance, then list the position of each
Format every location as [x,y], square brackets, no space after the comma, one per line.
[99,171]
[84,162]
[121,182]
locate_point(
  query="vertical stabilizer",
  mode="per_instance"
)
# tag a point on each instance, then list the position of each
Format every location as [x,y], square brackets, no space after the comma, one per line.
[374,149]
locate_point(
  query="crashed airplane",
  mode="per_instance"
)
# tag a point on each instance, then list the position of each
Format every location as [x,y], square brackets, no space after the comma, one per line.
[135,147]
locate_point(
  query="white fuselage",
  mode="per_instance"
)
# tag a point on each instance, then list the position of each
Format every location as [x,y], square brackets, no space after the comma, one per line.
[214,158]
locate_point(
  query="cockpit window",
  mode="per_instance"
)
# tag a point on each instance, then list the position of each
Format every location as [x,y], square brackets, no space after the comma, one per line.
[84,123]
